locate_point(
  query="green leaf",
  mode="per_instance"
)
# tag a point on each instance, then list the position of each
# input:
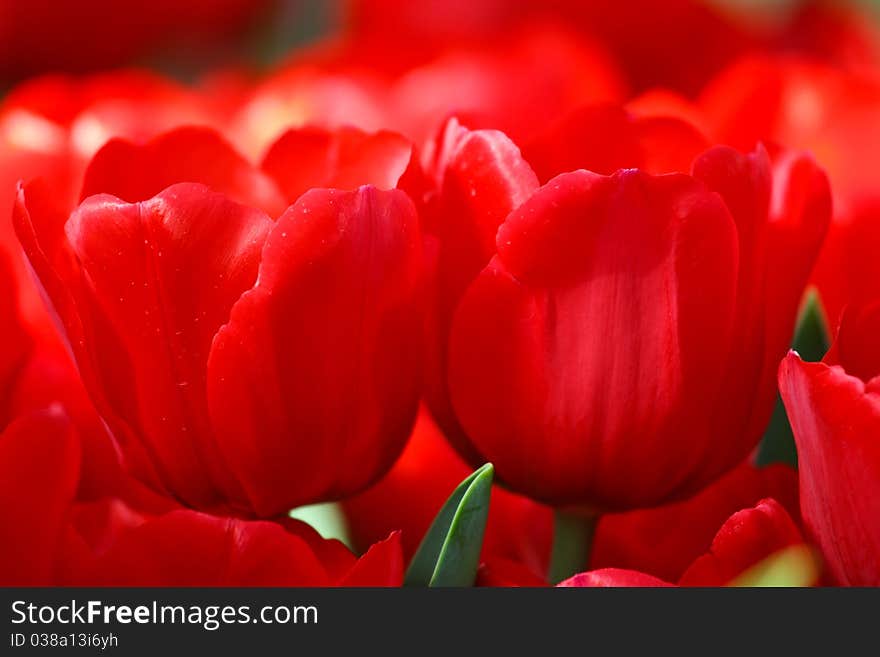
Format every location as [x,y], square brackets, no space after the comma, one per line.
[794,566]
[811,342]
[450,552]
[811,335]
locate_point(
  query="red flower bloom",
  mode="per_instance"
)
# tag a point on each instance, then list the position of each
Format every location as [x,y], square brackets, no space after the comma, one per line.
[592,369]
[225,388]
[834,408]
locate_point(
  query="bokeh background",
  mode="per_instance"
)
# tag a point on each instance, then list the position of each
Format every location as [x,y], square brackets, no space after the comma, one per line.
[186,39]
[259,67]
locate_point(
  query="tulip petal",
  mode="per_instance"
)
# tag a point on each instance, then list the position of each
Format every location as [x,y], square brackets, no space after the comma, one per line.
[382,565]
[336,558]
[836,422]
[159,279]
[346,158]
[605,138]
[136,172]
[781,215]
[613,577]
[744,540]
[313,384]
[800,214]
[480,177]
[187,548]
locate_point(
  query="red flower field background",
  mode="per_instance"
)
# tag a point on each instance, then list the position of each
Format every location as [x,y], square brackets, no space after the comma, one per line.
[445,293]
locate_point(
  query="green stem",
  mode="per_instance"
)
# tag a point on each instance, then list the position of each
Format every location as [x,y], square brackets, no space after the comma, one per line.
[572,539]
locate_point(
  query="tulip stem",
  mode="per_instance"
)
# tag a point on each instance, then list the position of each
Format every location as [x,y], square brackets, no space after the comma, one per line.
[572,539]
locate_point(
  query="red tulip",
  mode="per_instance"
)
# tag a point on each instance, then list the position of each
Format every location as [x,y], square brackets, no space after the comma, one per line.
[474,178]
[239,362]
[595,370]
[834,409]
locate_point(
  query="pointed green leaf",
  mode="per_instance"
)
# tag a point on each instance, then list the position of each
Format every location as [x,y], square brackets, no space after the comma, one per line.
[794,566]
[450,552]
[811,342]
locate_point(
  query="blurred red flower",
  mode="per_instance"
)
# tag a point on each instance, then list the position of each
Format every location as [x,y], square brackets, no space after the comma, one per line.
[37,36]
